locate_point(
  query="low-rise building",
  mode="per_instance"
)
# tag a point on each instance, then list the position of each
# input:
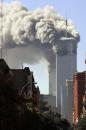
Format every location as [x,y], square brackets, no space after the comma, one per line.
[79,95]
[23,80]
[49,102]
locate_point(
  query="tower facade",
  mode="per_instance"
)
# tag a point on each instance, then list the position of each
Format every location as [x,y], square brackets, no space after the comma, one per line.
[66,65]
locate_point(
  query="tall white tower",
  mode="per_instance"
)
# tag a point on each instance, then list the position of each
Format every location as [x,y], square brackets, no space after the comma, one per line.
[66,64]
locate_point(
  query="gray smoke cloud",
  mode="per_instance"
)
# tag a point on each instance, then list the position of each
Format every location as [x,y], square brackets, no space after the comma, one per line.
[29,35]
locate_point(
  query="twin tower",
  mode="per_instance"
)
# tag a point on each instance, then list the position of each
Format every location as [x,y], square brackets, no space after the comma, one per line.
[61,75]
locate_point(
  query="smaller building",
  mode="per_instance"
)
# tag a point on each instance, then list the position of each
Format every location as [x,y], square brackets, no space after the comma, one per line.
[79,94]
[49,101]
[23,81]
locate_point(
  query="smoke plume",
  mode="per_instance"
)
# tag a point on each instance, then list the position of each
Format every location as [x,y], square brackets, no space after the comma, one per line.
[29,35]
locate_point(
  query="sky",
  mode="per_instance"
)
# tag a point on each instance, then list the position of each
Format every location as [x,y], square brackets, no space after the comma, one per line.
[72,9]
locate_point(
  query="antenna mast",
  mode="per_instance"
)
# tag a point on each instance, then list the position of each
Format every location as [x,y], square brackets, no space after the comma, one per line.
[85,61]
[1,29]
[66,23]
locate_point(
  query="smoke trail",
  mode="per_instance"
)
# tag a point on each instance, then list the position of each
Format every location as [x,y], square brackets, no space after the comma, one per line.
[35,30]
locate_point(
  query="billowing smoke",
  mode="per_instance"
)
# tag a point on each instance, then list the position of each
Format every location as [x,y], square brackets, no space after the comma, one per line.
[29,35]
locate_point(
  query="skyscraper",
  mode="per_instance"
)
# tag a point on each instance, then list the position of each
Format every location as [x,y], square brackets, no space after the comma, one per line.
[66,65]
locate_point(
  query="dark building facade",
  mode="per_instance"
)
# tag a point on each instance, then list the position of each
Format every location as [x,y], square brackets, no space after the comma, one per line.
[79,94]
[23,80]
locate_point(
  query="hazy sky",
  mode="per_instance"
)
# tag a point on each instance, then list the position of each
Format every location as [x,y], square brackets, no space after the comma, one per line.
[74,10]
